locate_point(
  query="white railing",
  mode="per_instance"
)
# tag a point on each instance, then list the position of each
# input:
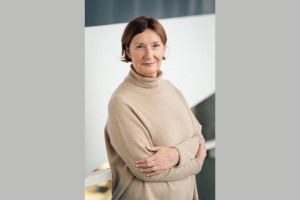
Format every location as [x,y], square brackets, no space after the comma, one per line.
[104,175]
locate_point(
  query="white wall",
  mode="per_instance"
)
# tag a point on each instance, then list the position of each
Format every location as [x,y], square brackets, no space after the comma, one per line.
[190,66]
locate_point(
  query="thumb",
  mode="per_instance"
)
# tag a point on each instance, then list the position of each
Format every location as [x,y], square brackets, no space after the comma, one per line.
[154,149]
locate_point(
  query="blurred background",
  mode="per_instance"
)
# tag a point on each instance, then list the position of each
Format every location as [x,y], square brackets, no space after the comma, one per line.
[190,66]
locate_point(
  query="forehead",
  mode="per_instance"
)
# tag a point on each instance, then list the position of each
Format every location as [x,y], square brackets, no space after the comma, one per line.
[148,36]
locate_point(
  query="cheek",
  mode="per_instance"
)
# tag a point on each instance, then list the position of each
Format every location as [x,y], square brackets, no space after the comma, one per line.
[138,58]
[137,55]
[160,55]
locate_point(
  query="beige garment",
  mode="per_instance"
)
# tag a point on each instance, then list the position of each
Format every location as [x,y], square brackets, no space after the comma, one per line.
[151,112]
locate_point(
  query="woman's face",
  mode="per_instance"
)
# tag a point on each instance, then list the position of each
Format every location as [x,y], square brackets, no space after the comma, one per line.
[146,52]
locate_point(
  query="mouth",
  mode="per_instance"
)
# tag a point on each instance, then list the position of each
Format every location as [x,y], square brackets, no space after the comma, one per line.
[148,64]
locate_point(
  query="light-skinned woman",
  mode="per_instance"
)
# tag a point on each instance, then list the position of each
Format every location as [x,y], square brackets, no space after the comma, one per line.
[154,142]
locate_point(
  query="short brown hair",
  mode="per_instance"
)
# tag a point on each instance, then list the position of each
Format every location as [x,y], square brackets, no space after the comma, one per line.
[137,26]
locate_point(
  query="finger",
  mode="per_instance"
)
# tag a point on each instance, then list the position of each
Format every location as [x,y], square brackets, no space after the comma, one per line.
[153,149]
[154,173]
[141,161]
[146,165]
[146,160]
[150,170]
[202,146]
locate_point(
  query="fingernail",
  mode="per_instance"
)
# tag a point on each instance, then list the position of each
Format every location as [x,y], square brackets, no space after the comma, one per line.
[147,175]
[137,166]
[136,161]
[141,170]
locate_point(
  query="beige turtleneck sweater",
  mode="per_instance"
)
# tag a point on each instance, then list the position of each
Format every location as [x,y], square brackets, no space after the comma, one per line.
[151,112]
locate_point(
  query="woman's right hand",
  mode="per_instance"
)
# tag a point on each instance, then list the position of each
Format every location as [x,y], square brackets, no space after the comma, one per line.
[201,153]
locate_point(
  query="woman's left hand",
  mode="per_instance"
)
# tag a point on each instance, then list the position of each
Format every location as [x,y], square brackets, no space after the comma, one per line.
[163,158]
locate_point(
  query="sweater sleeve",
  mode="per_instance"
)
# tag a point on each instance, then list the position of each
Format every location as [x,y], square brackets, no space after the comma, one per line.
[188,148]
[129,137]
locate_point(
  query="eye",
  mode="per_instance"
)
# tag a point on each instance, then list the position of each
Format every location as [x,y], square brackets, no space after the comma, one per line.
[156,45]
[140,47]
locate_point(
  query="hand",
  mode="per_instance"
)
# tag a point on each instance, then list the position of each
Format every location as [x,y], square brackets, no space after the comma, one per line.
[163,158]
[201,153]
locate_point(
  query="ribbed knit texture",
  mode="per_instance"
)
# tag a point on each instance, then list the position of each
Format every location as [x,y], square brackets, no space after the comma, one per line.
[151,112]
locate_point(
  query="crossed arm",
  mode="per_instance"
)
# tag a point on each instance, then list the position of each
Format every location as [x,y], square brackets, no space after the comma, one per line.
[165,158]
[130,138]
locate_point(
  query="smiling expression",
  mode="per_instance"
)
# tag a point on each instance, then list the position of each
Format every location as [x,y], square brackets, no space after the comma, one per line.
[146,51]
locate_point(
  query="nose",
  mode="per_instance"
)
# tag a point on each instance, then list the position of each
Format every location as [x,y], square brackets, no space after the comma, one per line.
[148,53]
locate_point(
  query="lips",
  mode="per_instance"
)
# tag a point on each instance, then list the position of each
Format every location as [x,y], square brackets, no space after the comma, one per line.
[148,63]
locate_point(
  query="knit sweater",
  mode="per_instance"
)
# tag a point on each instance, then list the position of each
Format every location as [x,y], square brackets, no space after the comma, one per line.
[151,112]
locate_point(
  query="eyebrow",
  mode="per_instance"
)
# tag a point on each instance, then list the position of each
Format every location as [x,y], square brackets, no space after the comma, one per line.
[143,43]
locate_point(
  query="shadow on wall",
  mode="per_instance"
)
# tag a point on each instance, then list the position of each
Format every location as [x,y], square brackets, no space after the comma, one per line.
[205,114]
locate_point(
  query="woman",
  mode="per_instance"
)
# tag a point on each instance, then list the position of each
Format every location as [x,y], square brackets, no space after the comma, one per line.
[153,141]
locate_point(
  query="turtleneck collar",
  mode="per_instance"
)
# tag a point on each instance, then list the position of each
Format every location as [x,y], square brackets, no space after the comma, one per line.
[142,81]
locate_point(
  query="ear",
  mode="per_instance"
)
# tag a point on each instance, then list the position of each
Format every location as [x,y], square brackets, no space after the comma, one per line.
[128,52]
